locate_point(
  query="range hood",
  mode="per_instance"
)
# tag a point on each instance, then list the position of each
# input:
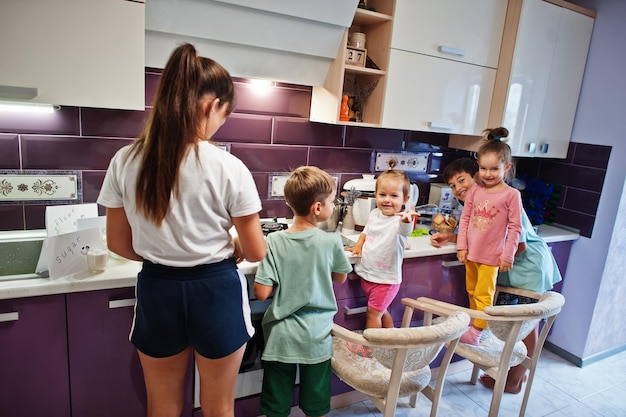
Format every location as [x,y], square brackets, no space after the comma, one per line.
[291,41]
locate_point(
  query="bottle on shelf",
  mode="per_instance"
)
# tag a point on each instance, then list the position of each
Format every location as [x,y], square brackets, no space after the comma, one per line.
[344,111]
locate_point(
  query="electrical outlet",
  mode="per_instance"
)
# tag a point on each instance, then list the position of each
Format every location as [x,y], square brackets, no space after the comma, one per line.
[408,162]
[277,185]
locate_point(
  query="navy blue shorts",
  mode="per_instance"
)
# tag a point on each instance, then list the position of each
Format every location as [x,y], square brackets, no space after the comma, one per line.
[205,307]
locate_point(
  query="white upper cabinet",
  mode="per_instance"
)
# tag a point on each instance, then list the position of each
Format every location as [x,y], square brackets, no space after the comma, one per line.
[540,73]
[73,52]
[431,94]
[460,30]
[442,65]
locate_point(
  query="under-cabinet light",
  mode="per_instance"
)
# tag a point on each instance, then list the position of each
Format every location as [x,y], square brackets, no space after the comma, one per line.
[15,106]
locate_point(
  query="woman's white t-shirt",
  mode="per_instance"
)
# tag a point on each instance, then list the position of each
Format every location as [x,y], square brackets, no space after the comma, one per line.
[213,188]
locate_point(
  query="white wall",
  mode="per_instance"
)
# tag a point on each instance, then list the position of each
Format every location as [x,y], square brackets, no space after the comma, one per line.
[595,294]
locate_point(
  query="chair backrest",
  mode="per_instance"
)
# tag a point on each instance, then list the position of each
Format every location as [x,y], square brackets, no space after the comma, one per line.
[423,343]
[548,305]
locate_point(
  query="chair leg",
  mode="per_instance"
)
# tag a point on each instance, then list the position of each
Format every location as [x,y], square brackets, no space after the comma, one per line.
[474,376]
[498,390]
[413,399]
[529,384]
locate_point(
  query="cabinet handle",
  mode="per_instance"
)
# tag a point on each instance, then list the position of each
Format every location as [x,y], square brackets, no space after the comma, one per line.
[450,264]
[6,317]
[450,50]
[352,311]
[440,126]
[129,302]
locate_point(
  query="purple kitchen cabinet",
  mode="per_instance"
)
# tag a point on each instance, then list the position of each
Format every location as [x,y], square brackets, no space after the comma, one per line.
[437,277]
[560,251]
[105,372]
[34,378]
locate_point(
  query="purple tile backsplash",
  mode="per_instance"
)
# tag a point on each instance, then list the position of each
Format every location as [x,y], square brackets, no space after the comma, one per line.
[581,177]
[299,131]
[112,123]
[9,152]
[245,128]
[270,158]
[381,139]
[63,152]
[64,121]
[270,132]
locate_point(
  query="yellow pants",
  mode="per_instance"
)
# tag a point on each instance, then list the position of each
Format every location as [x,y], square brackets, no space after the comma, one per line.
[480,283]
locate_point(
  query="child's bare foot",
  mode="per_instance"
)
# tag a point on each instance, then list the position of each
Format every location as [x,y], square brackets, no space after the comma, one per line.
[510,387]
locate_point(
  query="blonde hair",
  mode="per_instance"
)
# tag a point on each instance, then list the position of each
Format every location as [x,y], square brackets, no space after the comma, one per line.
[307,185]
[397,175]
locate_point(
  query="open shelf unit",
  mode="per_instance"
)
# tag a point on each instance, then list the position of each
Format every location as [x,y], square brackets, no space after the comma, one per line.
[349,79]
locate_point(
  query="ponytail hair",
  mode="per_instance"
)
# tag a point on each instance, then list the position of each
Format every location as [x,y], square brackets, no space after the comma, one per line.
[174,125]
[495,142]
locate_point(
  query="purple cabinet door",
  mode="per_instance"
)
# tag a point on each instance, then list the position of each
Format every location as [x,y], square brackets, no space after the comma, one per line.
[34,378]
[560,251]
[105,372]
[430,276]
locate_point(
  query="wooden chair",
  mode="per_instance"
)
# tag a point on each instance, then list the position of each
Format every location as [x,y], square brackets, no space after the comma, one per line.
[400,367]
[501,345]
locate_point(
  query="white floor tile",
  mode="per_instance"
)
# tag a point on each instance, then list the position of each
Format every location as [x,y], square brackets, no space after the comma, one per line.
[560,389]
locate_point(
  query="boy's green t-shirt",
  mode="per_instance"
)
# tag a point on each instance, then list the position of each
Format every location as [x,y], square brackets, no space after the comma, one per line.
[298,322]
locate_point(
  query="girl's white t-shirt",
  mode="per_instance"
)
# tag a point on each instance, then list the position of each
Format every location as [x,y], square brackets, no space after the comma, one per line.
[213,188]
[383,250]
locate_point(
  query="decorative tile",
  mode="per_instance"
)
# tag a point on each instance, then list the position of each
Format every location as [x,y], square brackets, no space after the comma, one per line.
[40,187]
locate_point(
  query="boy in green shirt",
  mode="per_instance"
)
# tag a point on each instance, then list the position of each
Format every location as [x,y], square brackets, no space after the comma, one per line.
[300,268]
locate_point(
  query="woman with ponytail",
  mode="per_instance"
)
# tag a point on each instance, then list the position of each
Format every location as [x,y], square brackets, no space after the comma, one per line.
[172,197]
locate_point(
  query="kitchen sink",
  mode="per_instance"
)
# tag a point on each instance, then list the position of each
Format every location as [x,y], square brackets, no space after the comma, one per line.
[19,254]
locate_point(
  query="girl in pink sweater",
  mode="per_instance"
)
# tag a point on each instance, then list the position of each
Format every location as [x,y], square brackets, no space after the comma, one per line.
[490,227]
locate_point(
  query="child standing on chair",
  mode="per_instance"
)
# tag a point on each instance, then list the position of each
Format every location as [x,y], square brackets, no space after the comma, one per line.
[300,268]
[490,227]
[381,246]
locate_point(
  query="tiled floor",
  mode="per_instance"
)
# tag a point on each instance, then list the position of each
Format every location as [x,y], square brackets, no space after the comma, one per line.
[560,389]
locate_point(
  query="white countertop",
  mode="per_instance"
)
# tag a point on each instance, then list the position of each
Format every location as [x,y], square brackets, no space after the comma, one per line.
[123,273]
